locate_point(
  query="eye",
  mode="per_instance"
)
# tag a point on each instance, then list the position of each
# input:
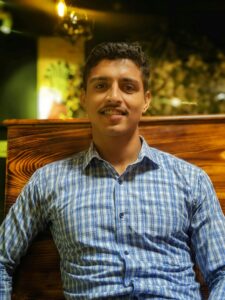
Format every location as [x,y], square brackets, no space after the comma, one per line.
[100,86]
[129,88]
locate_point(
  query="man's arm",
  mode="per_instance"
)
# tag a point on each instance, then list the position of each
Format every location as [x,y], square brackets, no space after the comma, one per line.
[208,237]
[5,284]
[24,220]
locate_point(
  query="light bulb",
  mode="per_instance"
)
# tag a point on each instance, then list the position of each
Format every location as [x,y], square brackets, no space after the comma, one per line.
[61,8]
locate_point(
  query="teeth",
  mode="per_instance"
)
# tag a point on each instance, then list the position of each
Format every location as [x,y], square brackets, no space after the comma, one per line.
[112,112]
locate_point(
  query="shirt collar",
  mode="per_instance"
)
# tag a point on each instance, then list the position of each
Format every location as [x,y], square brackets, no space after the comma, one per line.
[146,152]
[90,155]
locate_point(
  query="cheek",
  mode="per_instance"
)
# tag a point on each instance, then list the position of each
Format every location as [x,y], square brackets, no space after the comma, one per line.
[138,108]
[93,101]
[92,111]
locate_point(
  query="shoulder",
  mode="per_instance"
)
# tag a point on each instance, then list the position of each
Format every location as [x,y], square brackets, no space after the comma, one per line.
[166,159]
[62,167]
[179,172]
[176,166]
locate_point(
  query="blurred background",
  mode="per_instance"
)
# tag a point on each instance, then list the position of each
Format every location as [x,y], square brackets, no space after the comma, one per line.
[44,43]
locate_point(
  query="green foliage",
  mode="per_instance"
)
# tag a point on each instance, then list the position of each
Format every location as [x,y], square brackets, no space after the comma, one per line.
[188,86]
[188,73]
[66,79]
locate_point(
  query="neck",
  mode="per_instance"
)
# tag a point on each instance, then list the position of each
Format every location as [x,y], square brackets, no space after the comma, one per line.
[119,151]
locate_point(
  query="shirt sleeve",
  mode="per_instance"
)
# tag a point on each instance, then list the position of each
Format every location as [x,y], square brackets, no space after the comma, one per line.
[208,236]
[24,220]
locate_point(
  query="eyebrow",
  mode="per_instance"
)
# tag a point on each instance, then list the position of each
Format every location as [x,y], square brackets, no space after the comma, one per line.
[105,78]
[98,78]
[128,79]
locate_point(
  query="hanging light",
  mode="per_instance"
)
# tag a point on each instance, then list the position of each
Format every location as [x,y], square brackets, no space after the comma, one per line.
[61,8]
[71,24]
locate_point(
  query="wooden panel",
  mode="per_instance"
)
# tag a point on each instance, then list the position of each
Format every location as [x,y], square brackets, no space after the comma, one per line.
[202,144]
[27,152]
[30,146]
[33,143]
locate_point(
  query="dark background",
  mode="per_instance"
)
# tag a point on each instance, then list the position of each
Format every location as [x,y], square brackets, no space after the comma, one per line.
[190,25]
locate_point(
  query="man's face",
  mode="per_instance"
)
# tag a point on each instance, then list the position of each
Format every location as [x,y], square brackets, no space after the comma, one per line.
[114,98]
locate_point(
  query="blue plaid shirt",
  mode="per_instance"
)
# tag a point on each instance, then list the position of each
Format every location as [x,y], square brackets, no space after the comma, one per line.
[126,236]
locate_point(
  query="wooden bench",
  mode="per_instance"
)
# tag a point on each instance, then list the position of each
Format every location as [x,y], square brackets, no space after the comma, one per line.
[34,143]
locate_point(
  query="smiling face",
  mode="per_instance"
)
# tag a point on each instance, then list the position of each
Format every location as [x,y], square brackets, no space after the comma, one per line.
[115,98]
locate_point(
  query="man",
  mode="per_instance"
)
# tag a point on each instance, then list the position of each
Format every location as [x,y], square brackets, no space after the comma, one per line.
[128,220]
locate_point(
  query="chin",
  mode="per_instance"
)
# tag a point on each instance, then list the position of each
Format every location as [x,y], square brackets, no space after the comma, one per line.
[118,132]
[115,130]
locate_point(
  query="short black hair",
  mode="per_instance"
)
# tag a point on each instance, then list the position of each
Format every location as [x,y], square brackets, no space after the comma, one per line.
[118,50]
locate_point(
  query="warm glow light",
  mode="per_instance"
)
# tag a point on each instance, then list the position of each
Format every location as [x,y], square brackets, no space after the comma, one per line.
[46,99]
[61,8]
[5,22]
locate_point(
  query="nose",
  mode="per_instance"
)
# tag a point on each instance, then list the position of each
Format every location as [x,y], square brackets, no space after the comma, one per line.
[114,93]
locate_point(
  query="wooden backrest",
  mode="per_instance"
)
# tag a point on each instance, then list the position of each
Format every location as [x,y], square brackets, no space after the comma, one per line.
[34,143]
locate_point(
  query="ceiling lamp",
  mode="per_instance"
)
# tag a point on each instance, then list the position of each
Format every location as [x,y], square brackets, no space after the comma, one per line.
[61,8]
[71,24]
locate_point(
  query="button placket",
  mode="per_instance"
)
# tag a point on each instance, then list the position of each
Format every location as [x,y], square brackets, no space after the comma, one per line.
[121,215]
[120,181]
[122,226]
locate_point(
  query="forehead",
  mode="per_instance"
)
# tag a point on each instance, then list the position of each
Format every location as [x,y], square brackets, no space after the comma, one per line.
[117,68]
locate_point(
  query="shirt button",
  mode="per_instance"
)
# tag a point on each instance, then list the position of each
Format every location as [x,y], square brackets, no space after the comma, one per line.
[126,252]
[121,215]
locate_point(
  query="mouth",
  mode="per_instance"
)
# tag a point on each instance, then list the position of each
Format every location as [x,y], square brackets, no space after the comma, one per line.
[110,111]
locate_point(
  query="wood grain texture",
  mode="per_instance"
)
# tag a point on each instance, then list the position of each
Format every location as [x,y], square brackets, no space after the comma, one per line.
[34,143]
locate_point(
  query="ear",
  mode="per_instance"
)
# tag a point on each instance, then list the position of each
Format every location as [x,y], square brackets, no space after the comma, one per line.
[147,101]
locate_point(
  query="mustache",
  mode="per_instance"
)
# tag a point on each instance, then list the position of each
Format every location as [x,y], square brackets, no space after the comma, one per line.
[113,106]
